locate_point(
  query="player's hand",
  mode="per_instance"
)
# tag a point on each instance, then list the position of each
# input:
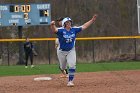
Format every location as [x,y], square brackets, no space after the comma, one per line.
[53,27]
[53,23]
[94,17]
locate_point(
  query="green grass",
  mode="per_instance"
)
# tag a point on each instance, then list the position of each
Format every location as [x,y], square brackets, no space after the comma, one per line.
[114,66]
[53,69]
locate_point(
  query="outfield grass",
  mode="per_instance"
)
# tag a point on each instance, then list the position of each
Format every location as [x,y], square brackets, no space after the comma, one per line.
[53,69]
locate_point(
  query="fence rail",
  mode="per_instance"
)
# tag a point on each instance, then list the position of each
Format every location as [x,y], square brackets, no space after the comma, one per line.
[85,38]
[88,49]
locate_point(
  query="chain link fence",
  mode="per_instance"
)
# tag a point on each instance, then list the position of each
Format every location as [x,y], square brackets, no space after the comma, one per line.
[88,51]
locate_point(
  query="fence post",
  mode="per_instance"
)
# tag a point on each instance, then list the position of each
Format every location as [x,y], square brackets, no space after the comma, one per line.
[8,54]
[49,58]
[135,49]
[93,52]
[20,46]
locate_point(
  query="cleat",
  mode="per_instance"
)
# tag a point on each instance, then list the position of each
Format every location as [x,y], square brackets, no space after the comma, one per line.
[26,66]
[70,84]
[64,76]
[32,66]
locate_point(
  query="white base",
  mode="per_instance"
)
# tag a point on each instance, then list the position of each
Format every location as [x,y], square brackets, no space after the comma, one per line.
[42,78]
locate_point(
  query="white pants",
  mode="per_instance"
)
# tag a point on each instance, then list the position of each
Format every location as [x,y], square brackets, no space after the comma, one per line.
[67,57]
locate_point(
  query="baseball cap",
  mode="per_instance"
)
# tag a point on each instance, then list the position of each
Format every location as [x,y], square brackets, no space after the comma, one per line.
[65,20]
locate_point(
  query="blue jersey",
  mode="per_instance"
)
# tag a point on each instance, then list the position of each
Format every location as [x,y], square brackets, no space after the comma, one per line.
[67,38]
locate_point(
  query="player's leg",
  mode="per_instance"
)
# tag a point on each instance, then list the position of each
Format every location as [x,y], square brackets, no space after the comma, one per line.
[62,61]
[31,59]
[66,71]
[71,59]
[59,55]
[26,60]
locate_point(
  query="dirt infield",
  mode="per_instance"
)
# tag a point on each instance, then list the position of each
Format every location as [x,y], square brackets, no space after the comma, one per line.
[94,82]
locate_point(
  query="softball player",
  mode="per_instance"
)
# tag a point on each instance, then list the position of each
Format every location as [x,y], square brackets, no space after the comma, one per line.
[64,72]
[28,48]
[66,52]
[59,20]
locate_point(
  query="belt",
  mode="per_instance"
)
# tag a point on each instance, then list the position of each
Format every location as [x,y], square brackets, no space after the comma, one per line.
[64,49]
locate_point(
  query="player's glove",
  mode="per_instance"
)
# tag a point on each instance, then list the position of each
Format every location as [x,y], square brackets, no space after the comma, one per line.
[35,53]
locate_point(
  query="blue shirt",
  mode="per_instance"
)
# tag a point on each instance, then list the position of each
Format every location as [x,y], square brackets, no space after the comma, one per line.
[67,38]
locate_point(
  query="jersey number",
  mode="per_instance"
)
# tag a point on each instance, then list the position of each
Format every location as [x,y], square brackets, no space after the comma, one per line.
[68,40]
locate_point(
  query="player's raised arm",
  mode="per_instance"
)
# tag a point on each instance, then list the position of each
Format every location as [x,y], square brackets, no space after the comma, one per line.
[53,27]
[87,24]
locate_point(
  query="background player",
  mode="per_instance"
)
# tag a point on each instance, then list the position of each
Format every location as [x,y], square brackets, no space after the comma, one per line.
[59,21]
[67,36]
[29,52]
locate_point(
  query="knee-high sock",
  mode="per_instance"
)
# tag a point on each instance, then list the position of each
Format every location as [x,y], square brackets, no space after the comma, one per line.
[71,74]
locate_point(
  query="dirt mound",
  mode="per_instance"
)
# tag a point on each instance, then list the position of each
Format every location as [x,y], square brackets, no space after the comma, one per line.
[93,82]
